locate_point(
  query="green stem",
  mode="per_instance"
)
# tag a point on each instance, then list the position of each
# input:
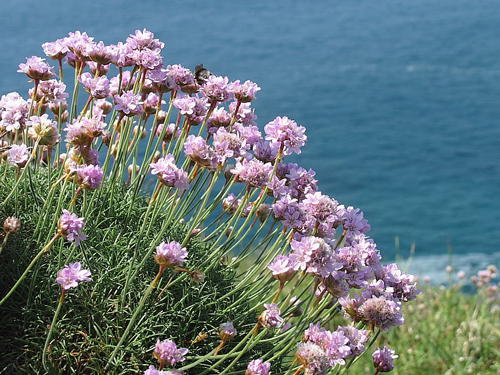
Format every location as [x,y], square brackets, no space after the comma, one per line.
[44,249]
[51,330]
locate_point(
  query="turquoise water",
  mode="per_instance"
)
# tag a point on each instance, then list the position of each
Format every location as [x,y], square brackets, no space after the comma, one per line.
[401,99]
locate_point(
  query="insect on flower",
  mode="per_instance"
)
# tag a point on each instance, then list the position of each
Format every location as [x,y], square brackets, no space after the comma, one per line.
[201,74]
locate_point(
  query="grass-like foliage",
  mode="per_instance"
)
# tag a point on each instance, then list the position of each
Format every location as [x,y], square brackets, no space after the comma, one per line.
[150,227]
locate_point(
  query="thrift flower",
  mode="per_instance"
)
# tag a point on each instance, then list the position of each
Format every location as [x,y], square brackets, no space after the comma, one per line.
[270,318]
[166,353]
[35,68]
[169,255]
[88,177]
[258,367]
[71,275]
[18,155]
[44,130]
[286,132]
[382,359]
[227,331]
[11,224]
[70,226]
[169,174]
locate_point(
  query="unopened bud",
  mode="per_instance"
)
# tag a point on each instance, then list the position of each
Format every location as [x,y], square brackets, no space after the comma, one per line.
[449,269]
[229,231]
[131,167]
[156,157]
[106,137]
[104,106]
[197,277]
[194,232]
[64,116]
[142,135]
[11,224]
[160,117]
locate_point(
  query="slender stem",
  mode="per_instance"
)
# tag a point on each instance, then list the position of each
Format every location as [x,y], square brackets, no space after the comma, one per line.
[35,259]
[134,316]
[51,330]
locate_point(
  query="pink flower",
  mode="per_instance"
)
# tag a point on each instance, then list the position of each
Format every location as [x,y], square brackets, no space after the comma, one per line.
[71,275]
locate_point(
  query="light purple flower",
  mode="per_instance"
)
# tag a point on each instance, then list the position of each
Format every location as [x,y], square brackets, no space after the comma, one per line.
[14,111]
[197,149]
[70,226]
[266,151]
[35,68]
[53,92]
[167,353]
[245,92]
[128,103]
[168,135]
[403,284]
[183,78]
[313,358]
[185,104]
[258,367]
[270,318]
[382,359]
[254,172]
[245,115]
[80,44]
[356,339]
[98,87]
[219,118]
[282,268]
[169,174]
[19,155]
[287,133]
[71,275]
[229,145]
[141,40]
[217,89]
[382,312]
[227,331]
[153,371]
[354,223]
[101,54]
[88,177]
[171,254]
[55,50]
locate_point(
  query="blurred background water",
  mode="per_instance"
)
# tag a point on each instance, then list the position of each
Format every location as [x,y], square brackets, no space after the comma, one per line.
[401,99]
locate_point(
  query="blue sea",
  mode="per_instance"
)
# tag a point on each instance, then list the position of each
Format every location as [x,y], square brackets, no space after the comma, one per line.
[401,99]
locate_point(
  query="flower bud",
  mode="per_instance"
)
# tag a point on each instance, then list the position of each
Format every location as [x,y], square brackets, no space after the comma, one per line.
[227,171]
[106,137]
[142,134]
[227,331]
[160,117]
[104,106]
[156,156]
[130,169]
[197,277]
[229,231]
[11,224]
[64,116]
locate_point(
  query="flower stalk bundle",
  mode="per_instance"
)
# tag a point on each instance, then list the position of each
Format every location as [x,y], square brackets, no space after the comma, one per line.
[164,167]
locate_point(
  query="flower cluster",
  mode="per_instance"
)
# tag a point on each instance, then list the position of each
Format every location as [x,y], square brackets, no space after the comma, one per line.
[70,226]
[71,275]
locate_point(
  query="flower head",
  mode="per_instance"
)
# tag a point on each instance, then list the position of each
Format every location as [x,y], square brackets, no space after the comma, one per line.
[70,226]
[43,130]
[71,275]
[258,367]
[286,132]
[169,174]
[270,318]
[35,68]
[382,359]
[88,177]
[18,155]
[167,353]
[11,224]
[227,331]
[171,254]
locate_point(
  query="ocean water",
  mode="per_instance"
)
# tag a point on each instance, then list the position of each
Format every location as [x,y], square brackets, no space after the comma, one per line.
[401,99]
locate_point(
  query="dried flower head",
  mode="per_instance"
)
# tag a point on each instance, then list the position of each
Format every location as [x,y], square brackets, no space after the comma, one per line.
[11,224]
